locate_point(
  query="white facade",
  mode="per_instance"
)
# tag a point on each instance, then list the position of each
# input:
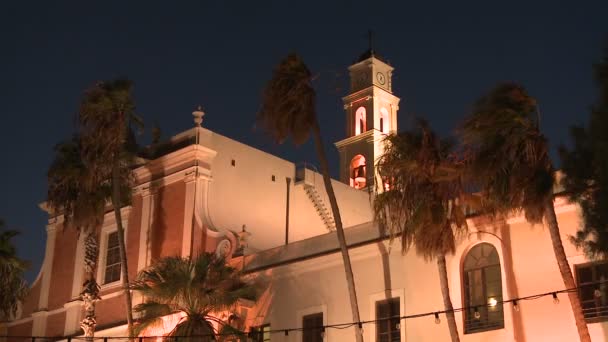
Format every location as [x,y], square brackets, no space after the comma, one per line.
[527,263]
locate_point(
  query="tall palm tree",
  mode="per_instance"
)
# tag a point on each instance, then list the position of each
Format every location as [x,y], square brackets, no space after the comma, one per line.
[585,167]
[199,287]
[13,287]
[83,210]
[423,202]
[510,159]
[106,114]
[288,110]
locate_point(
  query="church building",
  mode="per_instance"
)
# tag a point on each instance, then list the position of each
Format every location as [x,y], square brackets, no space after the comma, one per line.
[206,192]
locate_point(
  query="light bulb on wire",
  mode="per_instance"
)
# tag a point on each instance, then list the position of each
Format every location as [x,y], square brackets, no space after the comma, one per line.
[515,306]
[555,299]
[492,302]
[437,319]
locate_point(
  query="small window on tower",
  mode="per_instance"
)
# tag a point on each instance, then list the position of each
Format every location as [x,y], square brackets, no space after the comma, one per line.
[360,116]
[233,162]
[384,120]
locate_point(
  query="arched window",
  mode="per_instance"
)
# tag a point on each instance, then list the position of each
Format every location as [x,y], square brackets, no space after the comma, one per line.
[360,116]
[482,283]
[358,179]
[384,123]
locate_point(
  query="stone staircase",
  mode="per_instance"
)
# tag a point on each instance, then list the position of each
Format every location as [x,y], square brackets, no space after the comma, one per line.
[324,212]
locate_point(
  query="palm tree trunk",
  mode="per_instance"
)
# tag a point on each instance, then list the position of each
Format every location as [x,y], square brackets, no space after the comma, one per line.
[350,279]
[564,268]
[447,301]
[121,243]
[90,292]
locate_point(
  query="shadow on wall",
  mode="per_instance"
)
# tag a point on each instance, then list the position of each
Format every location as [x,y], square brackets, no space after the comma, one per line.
[258,315]
[386,266]
[512,290]
[158,226]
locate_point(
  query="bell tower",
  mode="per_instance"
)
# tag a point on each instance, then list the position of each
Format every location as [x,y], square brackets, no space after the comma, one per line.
[371,114]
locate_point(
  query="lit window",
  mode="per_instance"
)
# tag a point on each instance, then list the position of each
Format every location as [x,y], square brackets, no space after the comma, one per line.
[261,333]
[112,265]
[360,116]
[593,290]
[482,289]
[312,326]
[358,179]
[388,327]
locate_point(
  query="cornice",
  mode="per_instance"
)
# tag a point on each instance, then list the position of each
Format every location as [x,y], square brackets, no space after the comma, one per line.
[367,136]
[369,62]
[369,93]
[193,155]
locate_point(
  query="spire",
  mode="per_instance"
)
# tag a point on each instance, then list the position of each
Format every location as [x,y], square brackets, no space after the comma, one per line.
[370,52]
[370,37]
[198,116]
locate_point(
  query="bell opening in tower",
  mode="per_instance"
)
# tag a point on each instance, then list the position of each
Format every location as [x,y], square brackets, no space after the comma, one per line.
[358,179]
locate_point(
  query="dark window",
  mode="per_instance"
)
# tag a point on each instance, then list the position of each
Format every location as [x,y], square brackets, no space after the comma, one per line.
[112,270]
[381,124]
[388,327]
[312,328]
[273,178]
[593,290]
[261,333]
[233,162]
[482,290]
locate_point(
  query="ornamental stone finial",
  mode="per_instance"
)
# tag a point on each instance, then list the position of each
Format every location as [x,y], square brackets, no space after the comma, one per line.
[198,116]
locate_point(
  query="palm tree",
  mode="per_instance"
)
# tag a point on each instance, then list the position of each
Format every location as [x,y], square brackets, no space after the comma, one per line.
[83,210]
[423,202]
[108,149]
[288,109]
[585,167]
[13,287]
[510,159]
[198,287]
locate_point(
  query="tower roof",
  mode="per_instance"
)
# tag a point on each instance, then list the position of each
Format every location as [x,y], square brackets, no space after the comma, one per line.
[368,54]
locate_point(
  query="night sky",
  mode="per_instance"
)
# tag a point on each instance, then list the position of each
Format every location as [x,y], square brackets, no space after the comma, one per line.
[219,54]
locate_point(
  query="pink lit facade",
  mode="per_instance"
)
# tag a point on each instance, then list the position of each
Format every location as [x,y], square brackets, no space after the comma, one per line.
[200,193]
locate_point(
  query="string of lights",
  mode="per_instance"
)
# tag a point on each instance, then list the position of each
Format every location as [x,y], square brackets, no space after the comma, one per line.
[252,333]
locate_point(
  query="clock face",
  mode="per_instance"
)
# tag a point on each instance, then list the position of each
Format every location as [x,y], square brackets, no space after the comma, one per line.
[380,78]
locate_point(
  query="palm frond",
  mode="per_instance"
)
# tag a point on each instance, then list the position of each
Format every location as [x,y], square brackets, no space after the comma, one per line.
[228,333]
[509,156]
[81,207]
[13,287]
[288,102]
[196,286]
[150,315]
[423,205]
